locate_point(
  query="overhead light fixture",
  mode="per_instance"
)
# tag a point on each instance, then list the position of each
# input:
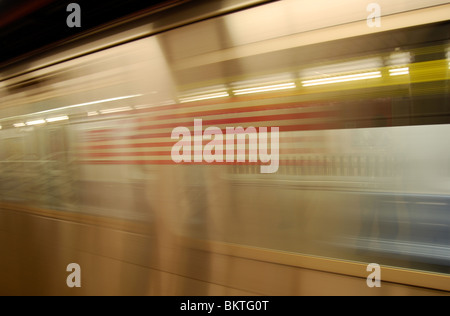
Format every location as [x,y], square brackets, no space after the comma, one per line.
[99,101]
[36,122]
[204,97]
[265,88]
[336,69]
[346,78]
[57,119]
[75,105]
[200,94]
[92,113]
[90,103]
[19,125]
[116,110]
[399,71]
[142,106]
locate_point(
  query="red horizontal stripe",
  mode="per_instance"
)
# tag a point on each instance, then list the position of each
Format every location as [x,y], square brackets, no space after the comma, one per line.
[170,162]
[228,111]
[287,151]
[125,154]
[222,111]
[127,146]
[224,102]
[282,128]
[246,119]
[225,121]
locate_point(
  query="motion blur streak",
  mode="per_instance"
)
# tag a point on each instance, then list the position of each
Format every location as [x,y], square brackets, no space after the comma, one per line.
[364,157]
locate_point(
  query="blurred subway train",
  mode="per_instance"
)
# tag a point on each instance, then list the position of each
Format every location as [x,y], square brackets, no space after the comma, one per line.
[361,160]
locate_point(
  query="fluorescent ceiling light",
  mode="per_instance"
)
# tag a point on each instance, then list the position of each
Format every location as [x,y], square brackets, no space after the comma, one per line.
[346,78]
[361,65]
[57,119]
[36,122]
[205,93]
[91,103]
[263,81]
[143,106]
[273,87]
[399,71]
[99,101]
[92,113]
[204,97]
[19,125]
[77,105]
[116,110]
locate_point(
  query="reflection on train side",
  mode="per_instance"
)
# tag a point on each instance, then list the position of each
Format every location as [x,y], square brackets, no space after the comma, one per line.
[364,163]
[365,194]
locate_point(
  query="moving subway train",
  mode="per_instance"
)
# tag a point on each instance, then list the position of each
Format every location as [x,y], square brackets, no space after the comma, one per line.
[132,152]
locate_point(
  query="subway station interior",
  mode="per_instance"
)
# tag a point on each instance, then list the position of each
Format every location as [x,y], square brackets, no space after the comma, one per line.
[225,148]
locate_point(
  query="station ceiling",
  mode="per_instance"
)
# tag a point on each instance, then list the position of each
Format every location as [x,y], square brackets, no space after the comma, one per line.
[28,26]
